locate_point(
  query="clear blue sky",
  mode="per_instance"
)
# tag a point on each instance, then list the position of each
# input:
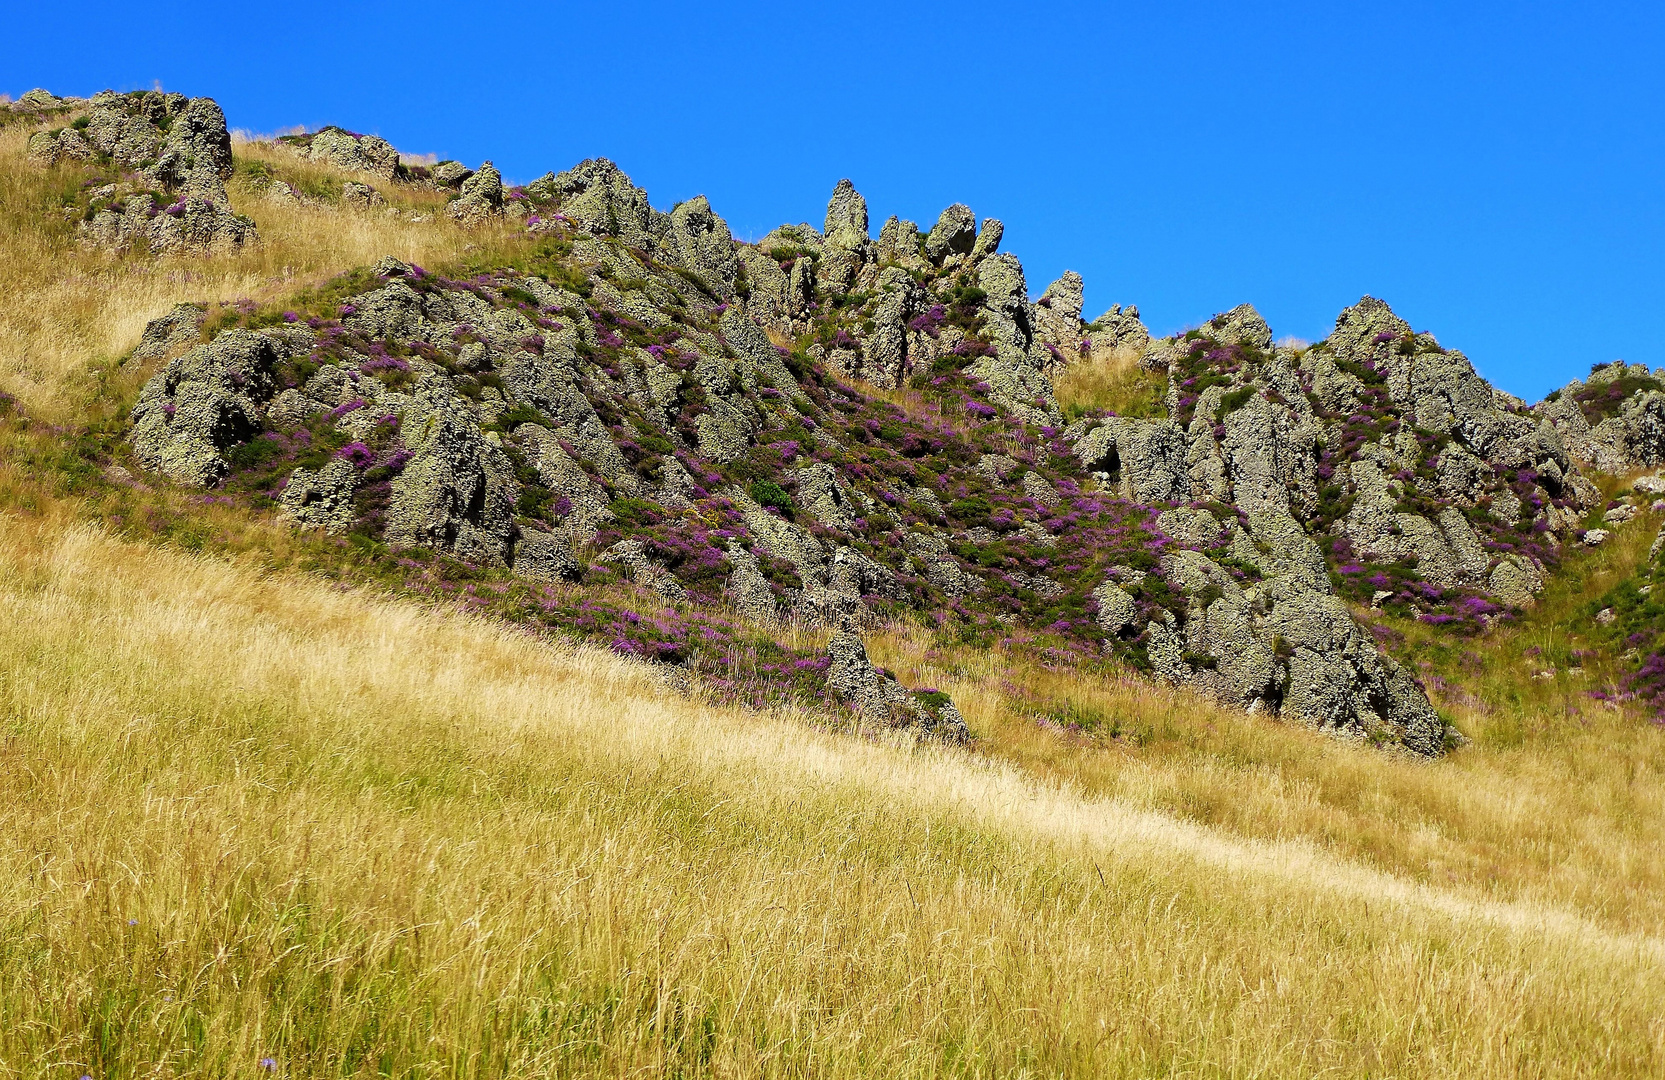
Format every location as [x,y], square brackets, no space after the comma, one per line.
[1493,171]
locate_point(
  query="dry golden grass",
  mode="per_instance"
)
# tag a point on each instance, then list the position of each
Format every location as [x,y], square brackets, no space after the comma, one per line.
[248,817]
[1110,379]
[1573,816]
[66,310]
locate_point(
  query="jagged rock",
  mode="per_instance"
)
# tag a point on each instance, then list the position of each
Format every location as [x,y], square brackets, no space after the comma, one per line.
[322,498]
[1116,609]
[1040,490]
[752,346]
[701,242]
[899,243]
[938,562]
[360,153]
[1270,452]
[884,361]
[36,100]
[643,571]
[49,148]
[546,556]
[190,162]
[1242,324]
[853,678]
[450,173]
[481,199]
[1190,526]
[748,590]
[362,196]
[457,492]
[1338,680]
[1016,373]
[1144,459]
[585,507]
[988,239]
[599,198]
[201,404]
[1058,316]
[1118,328]
[846,225]
[954,234]
[823,493]
[176,330]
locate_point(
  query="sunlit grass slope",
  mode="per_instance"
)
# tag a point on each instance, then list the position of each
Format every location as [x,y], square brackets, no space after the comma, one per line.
[249,817]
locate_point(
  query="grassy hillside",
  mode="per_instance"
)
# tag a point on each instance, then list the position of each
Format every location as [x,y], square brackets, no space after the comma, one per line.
[251,817]
[256,808]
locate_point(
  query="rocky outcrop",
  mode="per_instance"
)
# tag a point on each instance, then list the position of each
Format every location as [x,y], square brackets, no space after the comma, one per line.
[179,329]
[1058,317]
[481,198]
[1016,373]
[201,404]
[359,196]
[353,152]
[631,410]
[457,491]
[955,233]
[177,153]
[877,696]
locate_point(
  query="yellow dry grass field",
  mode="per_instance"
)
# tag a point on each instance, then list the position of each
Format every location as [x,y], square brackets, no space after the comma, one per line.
[251,817]
[255,824]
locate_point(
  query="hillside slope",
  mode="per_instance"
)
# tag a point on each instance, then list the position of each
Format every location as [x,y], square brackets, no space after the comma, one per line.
[255,818]
[368,804]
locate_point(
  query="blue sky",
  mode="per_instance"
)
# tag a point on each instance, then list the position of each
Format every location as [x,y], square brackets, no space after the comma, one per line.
[1492,171]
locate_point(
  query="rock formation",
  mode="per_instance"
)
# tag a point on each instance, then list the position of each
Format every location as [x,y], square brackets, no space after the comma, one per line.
[629,419]
[166,159]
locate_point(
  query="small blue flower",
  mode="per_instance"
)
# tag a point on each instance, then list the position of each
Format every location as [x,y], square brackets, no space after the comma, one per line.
[269,1064]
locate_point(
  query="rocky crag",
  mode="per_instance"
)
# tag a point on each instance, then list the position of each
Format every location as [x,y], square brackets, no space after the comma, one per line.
[834,428]
[158,162]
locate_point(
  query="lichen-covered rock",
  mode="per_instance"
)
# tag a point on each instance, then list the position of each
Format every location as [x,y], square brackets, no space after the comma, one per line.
[899,243]
[748,589]
[823,493]
[853,678]
[954,234]
[1243,325]
[631,555]
[36,100]
[988,239]
[1143,459]
[178,145]
[481,197]
[1118,328]
[353,152]
[321,498]
[701,242]
[457,491]
[167,334]
[599,198]
[359,196]
[1016,373]
[1058,316]
[546,556]
[846,225]
[1117,611]
[202,404]
[450,173]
